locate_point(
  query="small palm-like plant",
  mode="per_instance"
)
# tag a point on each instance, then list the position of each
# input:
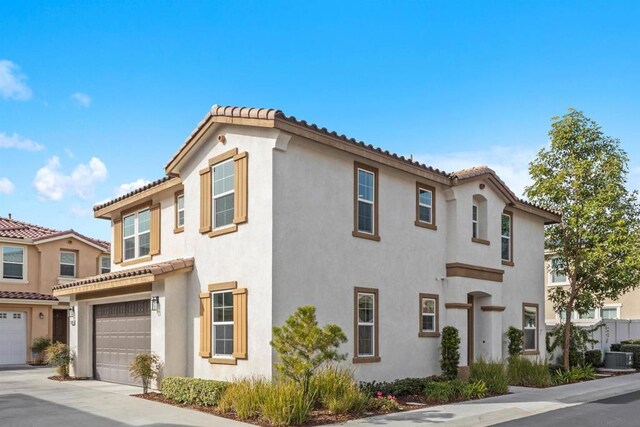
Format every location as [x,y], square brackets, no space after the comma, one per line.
[145,367]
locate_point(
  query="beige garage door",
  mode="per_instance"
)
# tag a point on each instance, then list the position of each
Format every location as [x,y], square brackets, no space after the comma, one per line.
[122,330]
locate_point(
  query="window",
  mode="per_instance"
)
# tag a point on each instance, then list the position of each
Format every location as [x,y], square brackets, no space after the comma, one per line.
[179,207]
[136,233]
[223,323]
[366,324]
[429,323]
[474,221]
[479,219]
[67,264]
[105,264]
[425,206]
[12,263]
[609,313]
[366,201]
[505,233]
[589,314]
[556,268]
[223,193]
[530,328]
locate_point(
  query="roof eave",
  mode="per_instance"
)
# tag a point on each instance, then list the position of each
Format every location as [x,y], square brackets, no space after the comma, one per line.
[104,212]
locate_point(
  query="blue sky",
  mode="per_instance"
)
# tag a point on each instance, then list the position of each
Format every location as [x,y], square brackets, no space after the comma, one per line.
[95,97]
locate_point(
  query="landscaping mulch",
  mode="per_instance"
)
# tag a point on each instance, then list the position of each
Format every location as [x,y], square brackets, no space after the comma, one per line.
[59,378]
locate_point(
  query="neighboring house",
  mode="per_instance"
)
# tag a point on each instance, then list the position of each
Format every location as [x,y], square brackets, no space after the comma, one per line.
[261,213]
[34,259]
[626,307]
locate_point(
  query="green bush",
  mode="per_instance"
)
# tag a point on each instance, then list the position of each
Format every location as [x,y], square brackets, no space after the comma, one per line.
[193,391]
[39,347]
[615,347]
[382,403]
[492,374]
[575,374]
[515,337]
[145,366]
[635,349]
[450,352]
[593,358]
[335,389]
[59,356]
[285,404]
[445,391]
[245,397]
[524,372]
[401,387]
[630,342]
[474,390]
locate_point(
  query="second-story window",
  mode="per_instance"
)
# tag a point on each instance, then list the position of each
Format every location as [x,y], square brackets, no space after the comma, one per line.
[474,221]
[506,237]
[223,194]
[365,202]
[136,232]
[12,263]
[67,264]
[556,271]
[180,211]
[105,264]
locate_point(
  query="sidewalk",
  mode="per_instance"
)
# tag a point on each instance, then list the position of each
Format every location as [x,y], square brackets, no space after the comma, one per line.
[521,402]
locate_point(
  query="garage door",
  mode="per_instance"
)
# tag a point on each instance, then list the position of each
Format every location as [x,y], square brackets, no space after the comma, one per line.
[122,330]
[13,338]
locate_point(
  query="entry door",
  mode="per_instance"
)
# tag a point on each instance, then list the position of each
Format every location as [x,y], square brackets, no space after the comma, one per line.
[122,330]
[60,326]
[13,338]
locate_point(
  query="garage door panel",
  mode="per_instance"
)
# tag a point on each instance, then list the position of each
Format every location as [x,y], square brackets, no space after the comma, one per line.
[122,330]
[13,338]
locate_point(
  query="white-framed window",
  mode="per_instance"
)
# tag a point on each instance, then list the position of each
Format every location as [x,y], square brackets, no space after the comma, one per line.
[366,324]
[67,264]
[222,323]
[366,201]
[105,264]
[223,193]
[136,234]
[428,312]
[505,234]
[13,263]
[609,313]
[425,205]
[180,211]
[555,276]
[475,229]
[530,327]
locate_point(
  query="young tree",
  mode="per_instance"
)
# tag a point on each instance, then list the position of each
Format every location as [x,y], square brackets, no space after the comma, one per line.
[303,346]
[582,175]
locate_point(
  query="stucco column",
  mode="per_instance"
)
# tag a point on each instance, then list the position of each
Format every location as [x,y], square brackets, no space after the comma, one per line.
[81,340]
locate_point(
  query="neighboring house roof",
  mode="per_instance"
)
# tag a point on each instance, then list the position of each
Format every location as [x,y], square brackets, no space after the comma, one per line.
[156,269]
[12,229]
[27,296]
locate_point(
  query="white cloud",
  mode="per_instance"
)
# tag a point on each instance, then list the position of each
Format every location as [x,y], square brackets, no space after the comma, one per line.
[510,163]
[19,142]
[12,83]
[81,99]
[52,184]
[6,186]
[130,186]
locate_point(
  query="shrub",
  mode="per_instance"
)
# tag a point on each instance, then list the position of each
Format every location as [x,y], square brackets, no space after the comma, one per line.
[401,387]
[335,389]
[60,357]
[635,349]
[303,346]
[580,338]
[145,366]
[193,391]
[593,358]
[515,337]
[383,403]
[575,374]
[474,390]
[492,374]
[450,351]
[526,373]
[245,396]
[444,391]
[630,342]
[39,347]
[615,347]
[285,404]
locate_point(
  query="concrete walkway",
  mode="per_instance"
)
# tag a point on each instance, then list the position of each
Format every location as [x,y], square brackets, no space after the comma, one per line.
[521,402]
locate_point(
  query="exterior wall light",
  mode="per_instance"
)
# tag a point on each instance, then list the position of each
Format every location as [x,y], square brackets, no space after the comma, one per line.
[72,316]
[41,316]
[155,303]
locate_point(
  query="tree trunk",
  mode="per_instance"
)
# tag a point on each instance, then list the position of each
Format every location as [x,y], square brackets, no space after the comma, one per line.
[567,335]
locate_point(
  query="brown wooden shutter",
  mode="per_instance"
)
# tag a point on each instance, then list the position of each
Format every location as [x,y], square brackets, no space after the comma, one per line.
[117,240]
[240,200]
[205,200]
[205,324]
[155,230]
[240,323]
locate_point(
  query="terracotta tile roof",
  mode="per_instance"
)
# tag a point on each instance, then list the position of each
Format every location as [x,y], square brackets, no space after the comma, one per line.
[131,193]
[155,269]
[10,228]
[27,295]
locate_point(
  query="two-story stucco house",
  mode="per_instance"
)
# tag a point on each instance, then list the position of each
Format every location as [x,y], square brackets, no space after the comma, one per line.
[260,213]
[34,259]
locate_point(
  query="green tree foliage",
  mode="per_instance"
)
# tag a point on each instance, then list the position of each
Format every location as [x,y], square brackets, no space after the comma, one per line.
[450,352]
[303,346]
[515,337]
[582,175]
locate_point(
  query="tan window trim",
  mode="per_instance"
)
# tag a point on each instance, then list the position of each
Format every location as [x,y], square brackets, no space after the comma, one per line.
[376,326]
[136,261]
[537,350]
[508,262]
[223,361]
[239,323]
[436,333]
[376,202]
[224,230]
[177,229]
[481,241]
[136,208]
[430,225]
[222,157]
[222,286]
[75,267]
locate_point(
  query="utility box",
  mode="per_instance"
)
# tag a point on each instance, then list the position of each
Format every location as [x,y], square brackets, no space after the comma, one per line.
[618,360]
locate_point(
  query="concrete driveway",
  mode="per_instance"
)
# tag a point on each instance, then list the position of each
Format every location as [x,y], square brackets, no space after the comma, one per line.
[28,398]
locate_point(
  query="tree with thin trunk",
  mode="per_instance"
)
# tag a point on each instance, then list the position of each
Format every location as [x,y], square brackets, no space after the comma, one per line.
[596,245]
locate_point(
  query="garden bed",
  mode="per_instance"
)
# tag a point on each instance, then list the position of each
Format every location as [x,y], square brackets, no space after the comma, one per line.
[68,378]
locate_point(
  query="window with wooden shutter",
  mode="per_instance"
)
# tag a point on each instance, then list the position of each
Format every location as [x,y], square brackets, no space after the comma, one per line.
[205,200]
[205,325]
[155,230]
[117,240]
[241,187]
[240,323]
